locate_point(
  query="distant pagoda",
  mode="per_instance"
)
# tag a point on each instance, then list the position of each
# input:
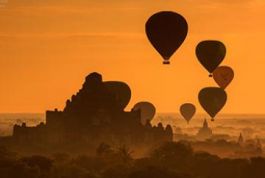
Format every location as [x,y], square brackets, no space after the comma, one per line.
[205,132]
[240,140]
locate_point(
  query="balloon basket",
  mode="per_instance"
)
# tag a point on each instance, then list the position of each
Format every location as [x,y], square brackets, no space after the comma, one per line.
[212,119]
[210,75]
[166,62]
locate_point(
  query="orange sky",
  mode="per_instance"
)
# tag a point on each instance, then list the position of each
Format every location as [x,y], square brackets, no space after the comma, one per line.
[47,48]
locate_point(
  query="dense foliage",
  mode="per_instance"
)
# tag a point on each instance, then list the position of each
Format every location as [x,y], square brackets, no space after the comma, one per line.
[170,160]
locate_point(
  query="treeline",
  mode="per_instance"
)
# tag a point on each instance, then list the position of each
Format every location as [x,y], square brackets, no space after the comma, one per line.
[170,160]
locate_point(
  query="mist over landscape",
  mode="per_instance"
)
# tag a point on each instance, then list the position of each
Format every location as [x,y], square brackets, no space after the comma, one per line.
[251,126]
[132,89]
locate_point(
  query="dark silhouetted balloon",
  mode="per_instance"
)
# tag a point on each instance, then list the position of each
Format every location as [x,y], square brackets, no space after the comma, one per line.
[121,91]
[187,110]
[210,53]
[166,31]
[223,76]
[147,110]
[212,99]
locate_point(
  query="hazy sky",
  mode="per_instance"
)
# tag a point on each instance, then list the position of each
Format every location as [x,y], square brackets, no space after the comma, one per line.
[47,47]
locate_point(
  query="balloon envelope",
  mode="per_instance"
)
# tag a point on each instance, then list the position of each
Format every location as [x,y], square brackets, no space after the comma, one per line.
[121,91]
[166,31]
[187,110]
[223,76]
[210,53]
[147,110]
[212,99]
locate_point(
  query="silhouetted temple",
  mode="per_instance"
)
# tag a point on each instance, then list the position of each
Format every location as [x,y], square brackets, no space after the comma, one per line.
[240,139]
[92,117]
[205,132]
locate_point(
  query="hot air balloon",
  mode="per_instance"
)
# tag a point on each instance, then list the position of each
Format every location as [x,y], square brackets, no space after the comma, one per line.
[223,76]
[121,92]
[212,99]
[210,53]
[166,31]
[147,110]
[187,110]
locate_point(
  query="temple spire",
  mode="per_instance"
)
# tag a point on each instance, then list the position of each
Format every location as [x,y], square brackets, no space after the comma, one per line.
[205,124]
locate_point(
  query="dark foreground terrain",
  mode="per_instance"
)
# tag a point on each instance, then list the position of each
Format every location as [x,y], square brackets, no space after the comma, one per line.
[170,160]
